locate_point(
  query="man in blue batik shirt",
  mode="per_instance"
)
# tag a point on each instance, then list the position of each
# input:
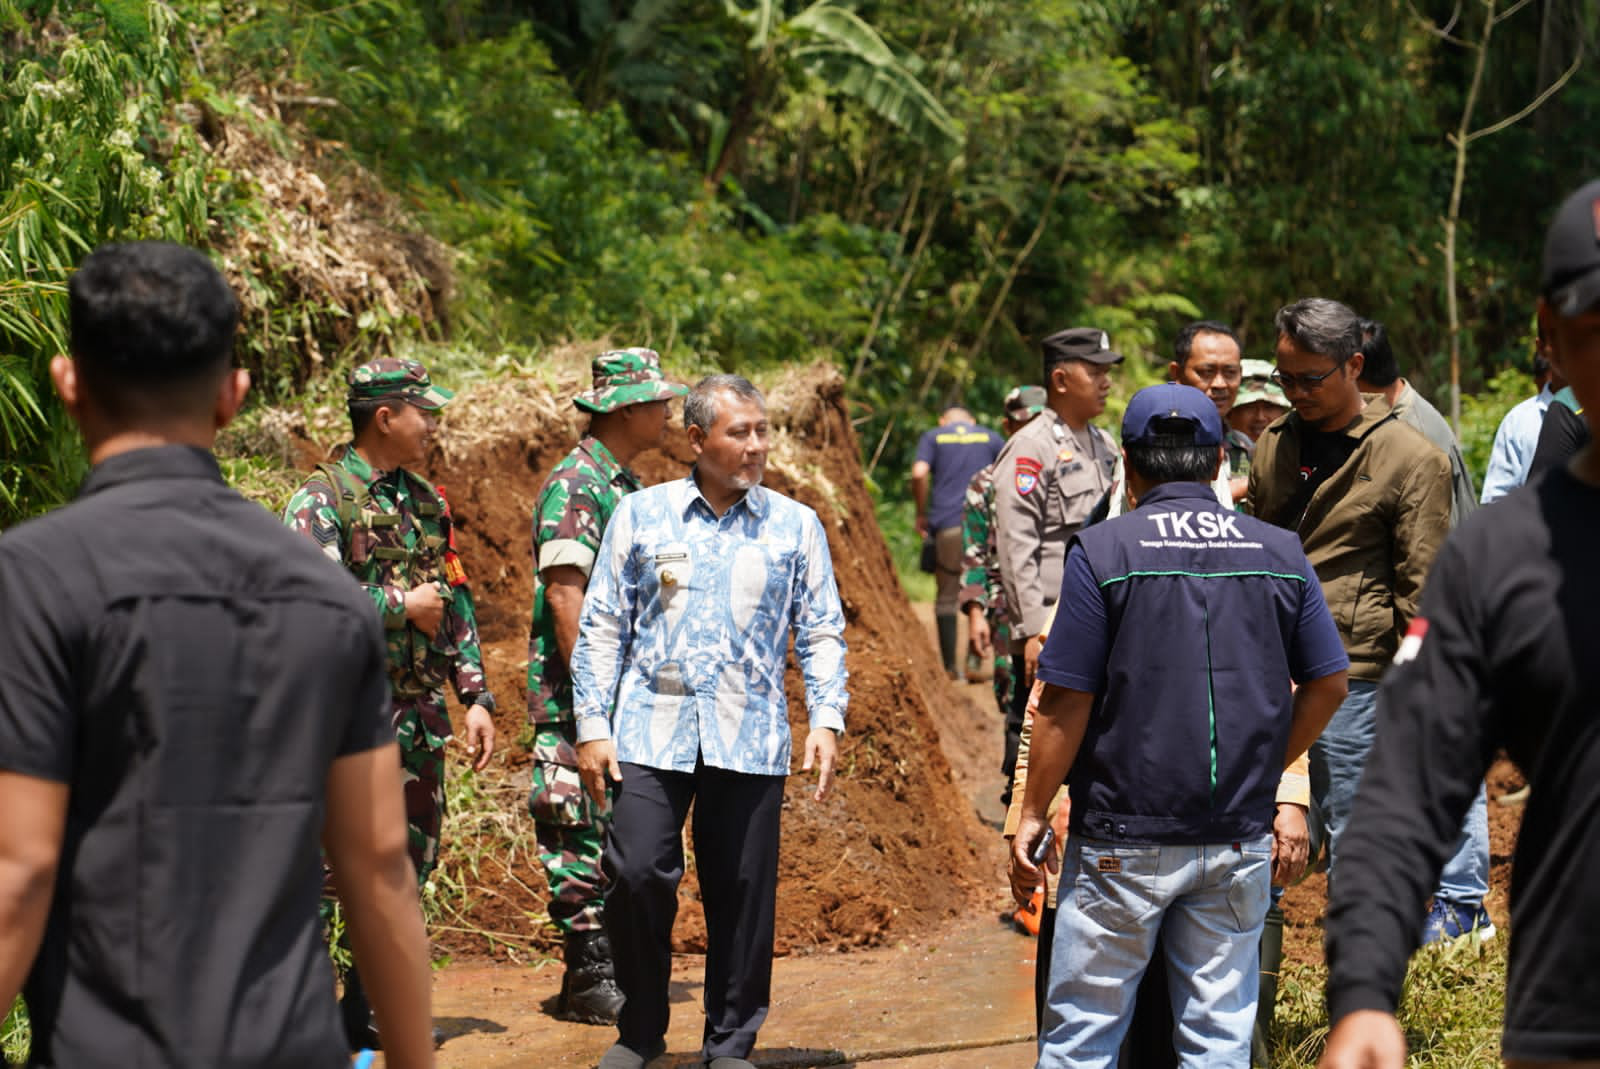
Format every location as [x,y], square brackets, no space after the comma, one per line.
[678,696]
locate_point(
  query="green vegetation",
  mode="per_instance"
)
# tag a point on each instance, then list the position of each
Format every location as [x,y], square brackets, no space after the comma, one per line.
[1451,1010]
[916,192]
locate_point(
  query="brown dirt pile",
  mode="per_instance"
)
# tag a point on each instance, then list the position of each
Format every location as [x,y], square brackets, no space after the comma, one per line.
[893,849]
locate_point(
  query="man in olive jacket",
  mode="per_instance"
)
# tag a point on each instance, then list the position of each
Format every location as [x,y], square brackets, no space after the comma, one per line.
[1370,498]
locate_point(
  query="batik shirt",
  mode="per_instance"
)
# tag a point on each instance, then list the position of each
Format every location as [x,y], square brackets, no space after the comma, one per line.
[391,556]
[686,624]
[575,505]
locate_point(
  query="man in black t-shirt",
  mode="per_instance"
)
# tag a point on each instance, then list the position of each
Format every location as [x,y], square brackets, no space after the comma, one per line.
[192,698]
[1501,654]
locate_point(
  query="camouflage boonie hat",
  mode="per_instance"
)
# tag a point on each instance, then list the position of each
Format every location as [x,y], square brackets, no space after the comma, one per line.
[405,380]
[625,377]
[1025,402]
[1257,385]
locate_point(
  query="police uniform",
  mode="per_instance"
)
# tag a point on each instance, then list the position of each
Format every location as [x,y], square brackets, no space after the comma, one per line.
[574,506]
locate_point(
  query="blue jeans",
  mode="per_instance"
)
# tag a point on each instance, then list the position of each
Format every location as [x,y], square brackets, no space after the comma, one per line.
[1206,902]
[1337,758]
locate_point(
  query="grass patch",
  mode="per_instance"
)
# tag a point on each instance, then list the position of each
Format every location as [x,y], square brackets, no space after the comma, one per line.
[1452,1009]
[897,518]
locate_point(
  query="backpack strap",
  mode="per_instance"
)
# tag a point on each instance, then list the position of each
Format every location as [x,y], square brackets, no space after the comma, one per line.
[353,495]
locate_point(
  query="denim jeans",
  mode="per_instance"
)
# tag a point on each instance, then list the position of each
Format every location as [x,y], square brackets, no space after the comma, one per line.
[1337,758]
[1207,903]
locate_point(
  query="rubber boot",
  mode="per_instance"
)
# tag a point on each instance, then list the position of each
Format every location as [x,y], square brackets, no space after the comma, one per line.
[1267,993]
[589,991]
[947,645]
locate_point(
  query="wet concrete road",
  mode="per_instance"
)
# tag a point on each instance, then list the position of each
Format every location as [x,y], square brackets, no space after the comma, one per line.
[962,999]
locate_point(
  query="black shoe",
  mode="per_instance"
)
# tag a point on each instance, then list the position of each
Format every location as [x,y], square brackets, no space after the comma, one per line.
[589,991]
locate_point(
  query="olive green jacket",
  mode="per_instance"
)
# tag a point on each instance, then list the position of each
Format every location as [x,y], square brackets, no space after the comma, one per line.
[1370,530]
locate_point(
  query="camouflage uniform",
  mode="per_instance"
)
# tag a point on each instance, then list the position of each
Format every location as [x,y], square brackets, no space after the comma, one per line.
[980,578]
[574,506]
[392,530]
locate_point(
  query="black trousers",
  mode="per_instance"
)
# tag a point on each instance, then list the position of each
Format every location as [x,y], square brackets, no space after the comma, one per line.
[736,817]
[1015,714]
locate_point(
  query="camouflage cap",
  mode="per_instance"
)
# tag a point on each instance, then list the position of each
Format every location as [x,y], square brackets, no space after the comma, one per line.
[625,377]
[1025,402]
[404,380]
[1257,385]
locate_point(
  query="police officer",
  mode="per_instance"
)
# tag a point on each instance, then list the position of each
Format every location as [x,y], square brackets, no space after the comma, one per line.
[392,530]
[1047,480]
[628,414]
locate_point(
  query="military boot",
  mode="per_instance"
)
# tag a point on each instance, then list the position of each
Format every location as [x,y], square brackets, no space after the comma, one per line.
[589,992]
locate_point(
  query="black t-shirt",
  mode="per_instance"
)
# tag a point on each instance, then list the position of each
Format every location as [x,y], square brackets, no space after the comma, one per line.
[1501,654]
[1321,454]
[1562,434]
[189,668]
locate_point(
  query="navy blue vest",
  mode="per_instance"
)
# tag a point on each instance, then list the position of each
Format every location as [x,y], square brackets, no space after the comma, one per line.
[1186,741]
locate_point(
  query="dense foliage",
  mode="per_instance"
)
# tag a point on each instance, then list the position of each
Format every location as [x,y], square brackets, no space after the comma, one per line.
[916,191]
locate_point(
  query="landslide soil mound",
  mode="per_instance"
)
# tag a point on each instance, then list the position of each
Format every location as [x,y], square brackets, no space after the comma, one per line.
[892,851]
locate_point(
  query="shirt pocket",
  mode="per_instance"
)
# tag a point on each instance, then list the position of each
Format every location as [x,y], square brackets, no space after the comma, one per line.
[1115,883]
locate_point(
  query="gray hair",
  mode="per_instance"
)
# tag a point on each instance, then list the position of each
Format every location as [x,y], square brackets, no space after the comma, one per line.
[1318,325]
[700,407]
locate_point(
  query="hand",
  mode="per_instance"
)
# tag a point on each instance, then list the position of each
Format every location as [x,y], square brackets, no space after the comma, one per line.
[425,608]
[480,737]
[1025,875]
[1291,844]
[921,525]
[1030,658]
[822,748]
[979,639]
[1365,1039]
[597,760]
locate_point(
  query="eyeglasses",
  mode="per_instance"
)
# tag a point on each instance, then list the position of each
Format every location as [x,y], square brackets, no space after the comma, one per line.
[1302,382]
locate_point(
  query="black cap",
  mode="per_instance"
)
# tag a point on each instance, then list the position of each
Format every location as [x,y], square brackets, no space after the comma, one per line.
[1080,343]
[1571,280]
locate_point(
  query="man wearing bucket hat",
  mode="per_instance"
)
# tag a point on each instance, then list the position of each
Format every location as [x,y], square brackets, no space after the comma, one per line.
[1260,401]
[628,412]
[392,529]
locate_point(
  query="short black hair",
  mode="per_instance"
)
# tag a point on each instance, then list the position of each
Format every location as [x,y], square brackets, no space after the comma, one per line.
[1183,344]
[152,327]
[362,411]
[1171,455]
[1379,366]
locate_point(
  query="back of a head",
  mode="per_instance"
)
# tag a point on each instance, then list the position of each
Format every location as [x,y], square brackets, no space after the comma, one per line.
[1172,433]
[152,328]
[1321,326]
[1379,367]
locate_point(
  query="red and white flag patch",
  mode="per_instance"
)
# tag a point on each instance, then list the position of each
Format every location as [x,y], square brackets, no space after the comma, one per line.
[1411,645]
[1027,474]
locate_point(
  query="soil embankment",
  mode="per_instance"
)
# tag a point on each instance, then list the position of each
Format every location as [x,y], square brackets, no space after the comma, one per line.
[895,849]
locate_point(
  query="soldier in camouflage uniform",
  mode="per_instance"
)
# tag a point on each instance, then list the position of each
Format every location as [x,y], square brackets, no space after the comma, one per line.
[982,601]
[628,414]
[392,530]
